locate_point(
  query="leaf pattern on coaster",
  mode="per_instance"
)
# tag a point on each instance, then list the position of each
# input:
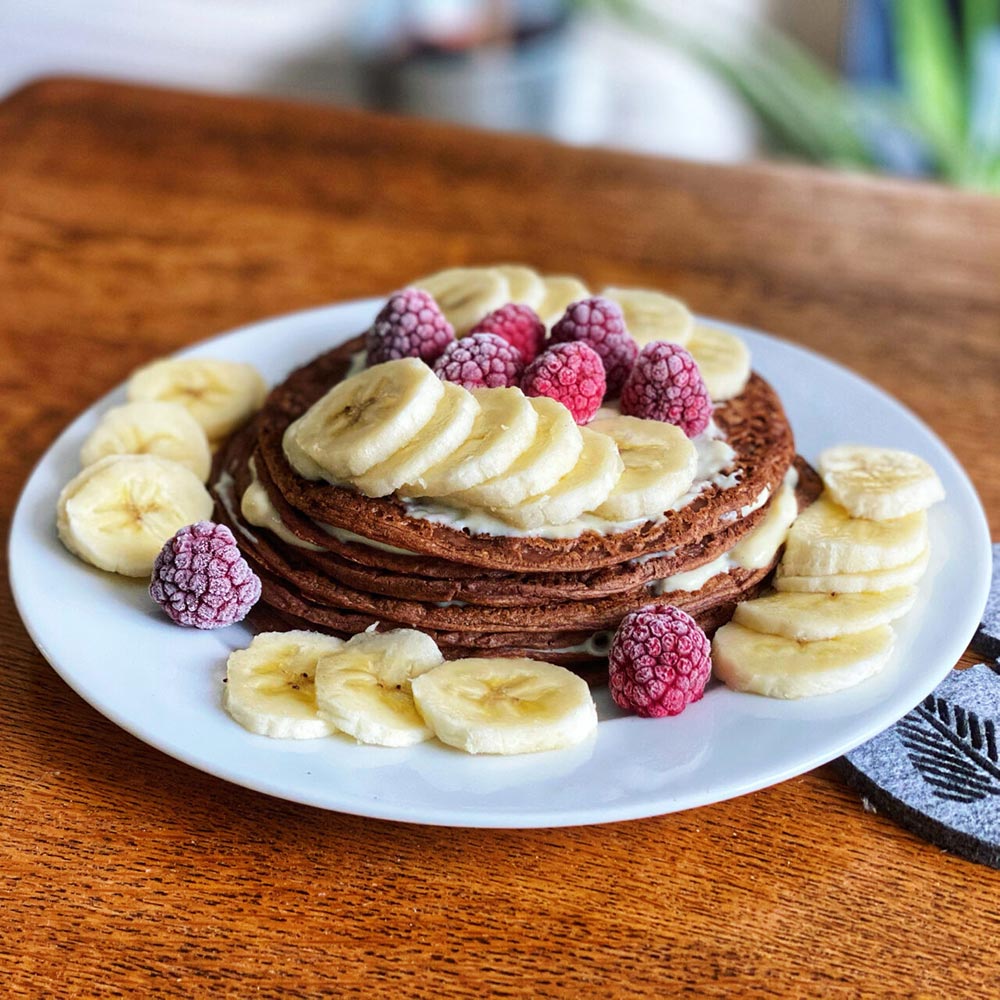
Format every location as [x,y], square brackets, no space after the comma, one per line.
[954,750]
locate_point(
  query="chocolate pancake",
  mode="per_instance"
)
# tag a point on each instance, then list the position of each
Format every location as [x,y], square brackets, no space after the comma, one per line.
[283,562]
[713,607]
[494,588]
[754,424]
[341,562]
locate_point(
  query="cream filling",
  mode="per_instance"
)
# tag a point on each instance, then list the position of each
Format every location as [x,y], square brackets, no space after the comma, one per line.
[755,504]
[755,551]
[713,456]
[597,645]
[224,490]
[259,511]
[666,553]
[343,535]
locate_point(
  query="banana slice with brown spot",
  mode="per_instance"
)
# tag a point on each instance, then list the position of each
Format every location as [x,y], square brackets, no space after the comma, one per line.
[554,451]
[651,316]
[807,617]
[364,687]
[826,540]
[561,291]
[879,483]
[466,294]
[149,427]
[271,685]
[220,395]
[504,428]
[363,421]
[505,705]
[660,466]
[119,512]
[779,667]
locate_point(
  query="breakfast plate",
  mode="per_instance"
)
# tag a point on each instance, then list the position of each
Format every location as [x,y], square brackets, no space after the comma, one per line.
[111,644]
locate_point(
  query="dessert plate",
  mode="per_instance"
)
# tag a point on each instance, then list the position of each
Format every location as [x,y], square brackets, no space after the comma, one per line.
[163,684]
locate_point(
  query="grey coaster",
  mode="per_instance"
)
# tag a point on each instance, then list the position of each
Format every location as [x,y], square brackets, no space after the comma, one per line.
[986,641]
[936,772]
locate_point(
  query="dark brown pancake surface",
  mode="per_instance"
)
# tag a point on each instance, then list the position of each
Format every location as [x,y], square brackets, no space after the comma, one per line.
[283,561]
[754,424]
[405,577]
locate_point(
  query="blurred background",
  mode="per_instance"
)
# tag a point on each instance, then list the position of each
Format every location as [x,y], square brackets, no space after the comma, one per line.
[907,87]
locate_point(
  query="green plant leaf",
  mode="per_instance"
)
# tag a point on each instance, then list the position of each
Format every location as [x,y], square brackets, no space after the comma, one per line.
[930,65]
[978,17]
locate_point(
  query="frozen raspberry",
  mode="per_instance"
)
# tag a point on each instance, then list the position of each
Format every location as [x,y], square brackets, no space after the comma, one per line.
[665,384]
[481,360]
[572,373]
[518,325]
[201,580]
[410,325]
[599,323]
[660,661]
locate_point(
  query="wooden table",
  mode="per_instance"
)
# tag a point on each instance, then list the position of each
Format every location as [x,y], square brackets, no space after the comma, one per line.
[133,222]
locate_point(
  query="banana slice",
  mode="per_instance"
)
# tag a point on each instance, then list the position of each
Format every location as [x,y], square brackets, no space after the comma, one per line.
[877,581]
[363,688]
[505,426]
[117,513]
[150,428]
[778,667]
[879,483]
[660,466]
[220,395]
[825,539]
[723,360]
[505,706]
[538,468]
[523,284]
[363,420]
[561,290]
[651,316]
[809,617]
[440,437]
[466,294]
[586,486]
[271,685]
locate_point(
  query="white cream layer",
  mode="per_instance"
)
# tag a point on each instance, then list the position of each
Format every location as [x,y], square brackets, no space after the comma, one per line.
[714,455]
[258,510]
[755,551]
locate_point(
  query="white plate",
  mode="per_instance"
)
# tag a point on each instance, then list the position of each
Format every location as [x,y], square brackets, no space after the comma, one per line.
[110,643]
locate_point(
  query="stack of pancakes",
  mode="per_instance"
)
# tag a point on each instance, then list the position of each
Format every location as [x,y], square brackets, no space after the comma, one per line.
[335,560]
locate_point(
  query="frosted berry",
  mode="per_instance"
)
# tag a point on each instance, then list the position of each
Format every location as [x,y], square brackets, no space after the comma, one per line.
[410,325]
[201,580]
[481,360]
[599,323]
[518,325]
[660,661]
[572,373]
[665,384]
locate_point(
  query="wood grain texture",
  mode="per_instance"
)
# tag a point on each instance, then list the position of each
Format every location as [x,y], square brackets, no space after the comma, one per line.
[133,222]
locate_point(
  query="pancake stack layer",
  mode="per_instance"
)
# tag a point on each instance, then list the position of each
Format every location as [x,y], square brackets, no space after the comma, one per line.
[335,560]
